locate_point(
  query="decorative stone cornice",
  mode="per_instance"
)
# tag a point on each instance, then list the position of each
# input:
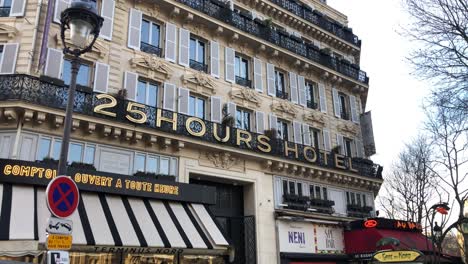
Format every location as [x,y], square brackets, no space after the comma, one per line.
[350,129]
[224,160]
[199,82]
[98,50]
[151,65]
[246,97]
[316,119]
[284,109]
[8,31]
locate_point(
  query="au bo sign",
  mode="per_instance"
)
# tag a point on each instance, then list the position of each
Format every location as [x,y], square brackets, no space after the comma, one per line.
[62,196]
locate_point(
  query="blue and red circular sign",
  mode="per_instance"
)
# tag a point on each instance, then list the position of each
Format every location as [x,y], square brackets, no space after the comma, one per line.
[62,196]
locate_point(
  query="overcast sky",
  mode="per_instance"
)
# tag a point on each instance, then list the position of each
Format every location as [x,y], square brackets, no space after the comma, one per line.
[395,96]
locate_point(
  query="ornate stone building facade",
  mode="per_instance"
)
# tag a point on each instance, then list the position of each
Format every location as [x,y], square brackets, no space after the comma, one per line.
[263,100]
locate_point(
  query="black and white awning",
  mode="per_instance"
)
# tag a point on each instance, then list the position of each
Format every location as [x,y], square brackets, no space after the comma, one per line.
[110,220]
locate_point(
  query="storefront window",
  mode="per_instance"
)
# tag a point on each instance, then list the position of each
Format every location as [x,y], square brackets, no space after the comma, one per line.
[44,148]
[202,260]
[75,153]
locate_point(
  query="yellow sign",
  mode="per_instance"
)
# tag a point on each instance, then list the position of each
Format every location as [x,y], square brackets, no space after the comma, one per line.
[397,256]
[59,242]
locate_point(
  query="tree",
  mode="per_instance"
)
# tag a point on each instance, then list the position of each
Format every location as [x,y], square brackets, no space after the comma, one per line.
[441,29]
[411,183]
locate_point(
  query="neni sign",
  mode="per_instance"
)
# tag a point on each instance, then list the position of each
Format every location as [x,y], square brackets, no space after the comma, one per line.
[109,107]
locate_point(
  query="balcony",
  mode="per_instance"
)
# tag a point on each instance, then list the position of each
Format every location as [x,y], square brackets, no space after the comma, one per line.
[5,11]
[47,94]
[306,203]
[282,94]
[311,104]
[148,48]
[359,211]
[319,20]
[199,66]
[244,82]
[281,38]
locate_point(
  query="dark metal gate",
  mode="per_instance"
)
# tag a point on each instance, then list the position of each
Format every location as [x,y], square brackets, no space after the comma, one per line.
[240,231]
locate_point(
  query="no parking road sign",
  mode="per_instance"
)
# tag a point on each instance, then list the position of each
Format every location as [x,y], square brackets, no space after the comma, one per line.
[62,196]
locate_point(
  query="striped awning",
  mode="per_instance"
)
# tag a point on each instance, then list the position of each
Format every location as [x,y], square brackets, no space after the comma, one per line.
[110,220]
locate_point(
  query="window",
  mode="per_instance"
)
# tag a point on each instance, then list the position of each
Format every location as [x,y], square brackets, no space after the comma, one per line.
[242,71]
[197,54]
[197,106]
[5,6]
[151,163]
[150,37]
[344,113]
[311,95]
[280,85]
[318,192]
[358,199]
[282,127]
[243,119]
[348,149]
[292,187]
[78,152]
[316,138]
[147,93]
[84,73]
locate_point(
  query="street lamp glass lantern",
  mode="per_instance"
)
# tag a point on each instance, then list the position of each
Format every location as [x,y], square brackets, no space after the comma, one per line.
[437,232]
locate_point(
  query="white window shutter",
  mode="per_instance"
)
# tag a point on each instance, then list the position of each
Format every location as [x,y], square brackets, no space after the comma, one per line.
[273,121]
[260,122]
[214,58]
[8,60]
[53,67]
[231,110]
[306,134]
[184,47]
[169,96]
[297,131]
[340,143]
[271,79]
[183,101]
[60,5]
[326,140]
[170,47]
[293,87]
[107,12]
[17,8]
[130,84]
[216,111]
[302,90]
[258,75]
[229,59]
[336,102]
[322,98]
[354,109]
[101,77]
[359,148]
[134,28]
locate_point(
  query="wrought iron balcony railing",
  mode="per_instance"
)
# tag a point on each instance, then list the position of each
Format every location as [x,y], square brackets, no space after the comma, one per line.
[199,66]
[243,81]
[317,18]
[311,104]
[282,94]
[306,203]
[30,89]
[5,11]
[148,48]
[279,37]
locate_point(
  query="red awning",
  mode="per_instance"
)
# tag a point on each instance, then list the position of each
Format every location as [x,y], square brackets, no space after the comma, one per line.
[365,240]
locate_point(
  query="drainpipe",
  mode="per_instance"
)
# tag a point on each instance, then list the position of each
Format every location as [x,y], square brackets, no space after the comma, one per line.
[278,256]
[36,29]
[45,35]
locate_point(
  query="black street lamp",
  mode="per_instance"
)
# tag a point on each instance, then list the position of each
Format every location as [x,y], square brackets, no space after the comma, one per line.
[84,24]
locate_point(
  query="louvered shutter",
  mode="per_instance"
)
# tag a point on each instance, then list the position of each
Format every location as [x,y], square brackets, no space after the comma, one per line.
[326,140]
[278,191]
[354,109]
[216,113]
[229,59]
[336,102]
[293,87]
[53,67]
[260,122]
[170,47]
[338,197]
[101,77]
[273,121]
[17,8]
[302,90]
[8,63]
[306,134]
[340,143]
[183,101]
[169,96]
[297,131]
[107,12]
[134,29]
[214,58]
[271,79]
[231,110]
[358,148]
[322,98]
[184,47]
[258,81]
[130,84]
[60,5]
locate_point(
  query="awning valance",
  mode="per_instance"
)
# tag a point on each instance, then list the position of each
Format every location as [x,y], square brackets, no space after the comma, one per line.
[111,220]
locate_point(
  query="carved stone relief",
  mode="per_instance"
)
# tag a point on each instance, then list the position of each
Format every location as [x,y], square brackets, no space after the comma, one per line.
[200,83]
[152,66]
[246,97]
[284,109]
